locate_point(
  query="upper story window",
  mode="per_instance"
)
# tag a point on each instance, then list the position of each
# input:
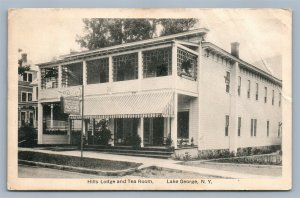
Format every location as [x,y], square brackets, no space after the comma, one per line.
[72,75]
[266,94]
[49,77]
[97,71]
[186,63]
[23,96]
[249,89]
[256,93]
[29,97]
[227,81]
[279,129]
[268,128]
[26,97]
[279,100]
[253,127]
[125,67]
[157,62]
[27,77]
[239,125]
[239,85]
[273,97]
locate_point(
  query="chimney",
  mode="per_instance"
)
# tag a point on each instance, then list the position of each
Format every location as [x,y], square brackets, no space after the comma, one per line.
[24,58]
[235,49]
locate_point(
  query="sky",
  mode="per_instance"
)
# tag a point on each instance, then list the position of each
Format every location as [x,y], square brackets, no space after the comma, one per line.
[44,34]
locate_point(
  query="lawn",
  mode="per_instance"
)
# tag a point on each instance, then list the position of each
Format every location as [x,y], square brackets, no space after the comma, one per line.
[247,169]
[98,164]
[165,173]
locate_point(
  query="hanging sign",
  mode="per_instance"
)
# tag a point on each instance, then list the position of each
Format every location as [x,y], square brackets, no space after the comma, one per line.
[70,105]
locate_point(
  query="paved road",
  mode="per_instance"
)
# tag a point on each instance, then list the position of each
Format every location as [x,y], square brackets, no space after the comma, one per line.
[146,161]
[36,172]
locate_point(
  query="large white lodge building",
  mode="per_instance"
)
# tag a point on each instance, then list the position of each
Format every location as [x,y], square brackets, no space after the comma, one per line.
[177,85]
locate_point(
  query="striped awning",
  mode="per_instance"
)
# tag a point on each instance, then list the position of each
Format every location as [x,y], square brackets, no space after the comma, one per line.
[135,105]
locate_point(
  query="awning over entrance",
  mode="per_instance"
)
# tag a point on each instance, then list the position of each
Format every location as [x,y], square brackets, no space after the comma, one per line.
[135,105]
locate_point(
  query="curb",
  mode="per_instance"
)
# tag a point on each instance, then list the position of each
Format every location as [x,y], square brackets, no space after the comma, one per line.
[79,169]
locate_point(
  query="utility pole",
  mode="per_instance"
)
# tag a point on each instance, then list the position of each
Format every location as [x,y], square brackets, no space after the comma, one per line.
[82,116]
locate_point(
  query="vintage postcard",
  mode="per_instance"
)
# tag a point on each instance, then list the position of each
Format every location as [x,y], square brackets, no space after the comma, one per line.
[149,99]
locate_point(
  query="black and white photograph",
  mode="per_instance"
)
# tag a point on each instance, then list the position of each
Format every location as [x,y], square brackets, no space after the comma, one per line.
[149,99]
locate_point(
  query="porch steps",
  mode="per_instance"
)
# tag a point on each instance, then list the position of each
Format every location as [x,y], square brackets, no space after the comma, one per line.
[142,152]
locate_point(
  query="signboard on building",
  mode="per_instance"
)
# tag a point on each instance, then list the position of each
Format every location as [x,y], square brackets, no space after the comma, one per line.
[70,105]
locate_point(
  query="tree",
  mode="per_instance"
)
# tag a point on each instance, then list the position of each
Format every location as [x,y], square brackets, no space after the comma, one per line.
[100,32]
[174,26]
[21,68]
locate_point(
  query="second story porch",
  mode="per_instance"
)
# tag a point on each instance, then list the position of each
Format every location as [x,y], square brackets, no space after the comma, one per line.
[168,64]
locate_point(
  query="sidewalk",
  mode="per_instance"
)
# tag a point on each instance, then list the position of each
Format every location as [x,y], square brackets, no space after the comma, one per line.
[164,163]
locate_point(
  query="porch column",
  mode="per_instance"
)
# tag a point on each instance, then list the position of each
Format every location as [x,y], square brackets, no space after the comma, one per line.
[69,130]
[84,73]
[93,130]
[141,131]
[51,116]
[174,122]
[174,62]
[34,117]
[140,65]
[59,76]
[40,123]
[112,129]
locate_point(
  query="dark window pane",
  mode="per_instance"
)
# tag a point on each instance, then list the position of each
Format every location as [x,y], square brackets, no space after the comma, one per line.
[97,71]
[183,125]
[23,97]
[30,77]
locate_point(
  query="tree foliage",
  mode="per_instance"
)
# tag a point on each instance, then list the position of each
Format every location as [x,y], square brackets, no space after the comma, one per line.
[21,68]
[100,32]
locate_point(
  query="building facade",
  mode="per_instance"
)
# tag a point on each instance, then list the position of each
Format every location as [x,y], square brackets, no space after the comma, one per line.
[176,87]
[27,95]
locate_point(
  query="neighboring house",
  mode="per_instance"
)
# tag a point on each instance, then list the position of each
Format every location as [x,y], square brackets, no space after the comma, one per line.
[177,85]
[27,95]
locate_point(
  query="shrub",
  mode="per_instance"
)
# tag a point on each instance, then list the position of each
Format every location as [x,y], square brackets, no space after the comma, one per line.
[27,136]
[214,154]
[169,140]
[103,135]
[133,140]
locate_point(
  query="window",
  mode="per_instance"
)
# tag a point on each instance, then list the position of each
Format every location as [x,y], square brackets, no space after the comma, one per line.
[125,67]
[239,125]
[253,127]
[256,94]
[29,97]
[226,124]
[272,97]
[29,77]
[183,125]
[239,85]
[72,75]
[25,77]
[279,129]
[23,97]
[157,62]
[49,77]
[97,71]
[266,94]
[268,127]
[227,81]
[186,63]
[279,100]
[249,87]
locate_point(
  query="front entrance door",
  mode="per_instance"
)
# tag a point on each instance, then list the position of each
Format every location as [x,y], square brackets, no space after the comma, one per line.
[154,131]
[124,128]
